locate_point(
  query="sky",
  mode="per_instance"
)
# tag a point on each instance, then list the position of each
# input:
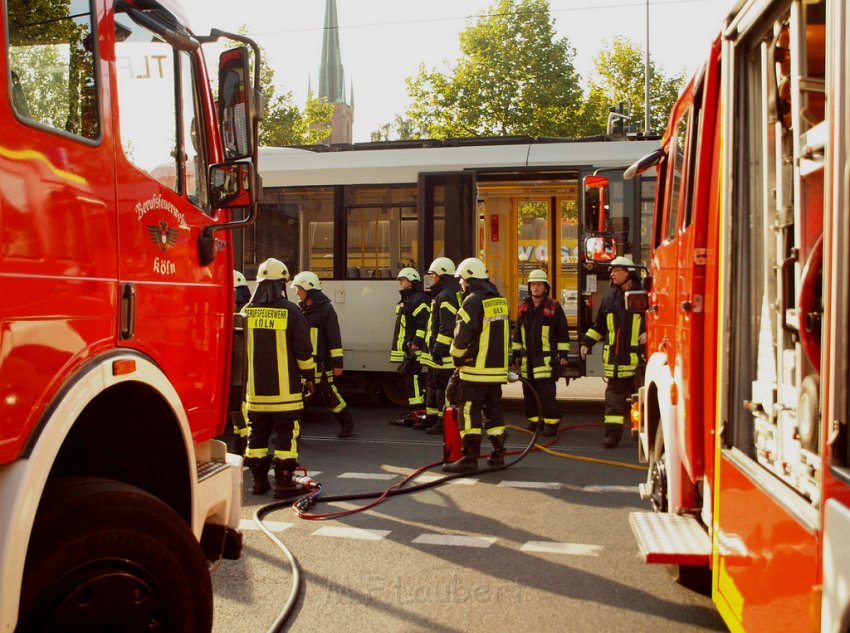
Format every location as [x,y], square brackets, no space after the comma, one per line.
[385,41]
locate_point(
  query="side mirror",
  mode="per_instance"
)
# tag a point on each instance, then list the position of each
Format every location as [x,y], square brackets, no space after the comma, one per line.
[235,106]
[637,300]
[600,249]
[595,203]
[231,184]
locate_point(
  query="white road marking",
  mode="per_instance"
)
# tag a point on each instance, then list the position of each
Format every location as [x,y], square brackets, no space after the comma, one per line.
[540,485]
[384,476]
[454,540]
[425,478]
[274,526]
[350,532]
[574,549]
[629,489]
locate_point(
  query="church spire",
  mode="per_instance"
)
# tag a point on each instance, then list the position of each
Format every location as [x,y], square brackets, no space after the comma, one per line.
[331,74]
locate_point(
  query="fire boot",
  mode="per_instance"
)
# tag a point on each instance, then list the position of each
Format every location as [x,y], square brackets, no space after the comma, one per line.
[437,427]
[613,433]
[408,419]
[531,426]
[346,424]
[259,467]
[423,424]
[550,430]
[497,455]
[283,485]
[470,447]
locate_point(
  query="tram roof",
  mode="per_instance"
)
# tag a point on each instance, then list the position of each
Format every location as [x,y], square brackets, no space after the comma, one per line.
[292,167]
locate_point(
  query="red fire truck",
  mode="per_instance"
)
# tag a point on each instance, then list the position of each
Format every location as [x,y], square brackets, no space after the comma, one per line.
[119,179]
[743,414]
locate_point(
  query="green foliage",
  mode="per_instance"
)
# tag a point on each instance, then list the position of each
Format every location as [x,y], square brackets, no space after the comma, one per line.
[620,76]
[513,78]
[284,122]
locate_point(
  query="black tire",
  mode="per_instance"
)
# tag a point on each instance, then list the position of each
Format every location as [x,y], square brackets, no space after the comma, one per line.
[105,555]
[395,389]
[658,469]
[694,577]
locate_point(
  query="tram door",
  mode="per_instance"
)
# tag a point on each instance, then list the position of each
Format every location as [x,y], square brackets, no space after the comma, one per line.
[446,209]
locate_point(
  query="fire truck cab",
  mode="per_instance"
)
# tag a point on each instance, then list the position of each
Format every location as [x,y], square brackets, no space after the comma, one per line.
[118,175]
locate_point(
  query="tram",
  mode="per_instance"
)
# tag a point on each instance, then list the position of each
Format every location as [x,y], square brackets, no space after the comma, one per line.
[356,214]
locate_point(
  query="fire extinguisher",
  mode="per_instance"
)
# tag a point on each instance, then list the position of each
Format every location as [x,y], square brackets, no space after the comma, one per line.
[451,435]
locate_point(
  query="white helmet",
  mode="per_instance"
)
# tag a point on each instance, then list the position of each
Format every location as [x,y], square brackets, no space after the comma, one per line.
[409,273]
[538,275]
[272,269]
[622,262]
[239,279]
[472,267]
[442,266]
[306,280]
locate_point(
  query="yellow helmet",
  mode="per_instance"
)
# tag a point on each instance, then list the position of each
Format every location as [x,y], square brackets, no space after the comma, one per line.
[472,267]
[442,266]
[409,273]
[272,269]
[307,280]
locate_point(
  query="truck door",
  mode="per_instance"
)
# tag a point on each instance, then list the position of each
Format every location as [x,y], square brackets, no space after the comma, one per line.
[172,308]
[57,258]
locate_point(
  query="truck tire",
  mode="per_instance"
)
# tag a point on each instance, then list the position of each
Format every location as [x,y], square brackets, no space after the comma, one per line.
[105,555]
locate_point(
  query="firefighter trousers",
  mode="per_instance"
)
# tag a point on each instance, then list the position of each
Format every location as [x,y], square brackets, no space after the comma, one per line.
[545,388]
[286,428]
[481,400]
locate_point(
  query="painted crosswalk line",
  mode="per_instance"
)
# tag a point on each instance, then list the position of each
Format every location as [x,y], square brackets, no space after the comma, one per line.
[573,549]
[351,532]
[274,526]
[539,485]
[454,540]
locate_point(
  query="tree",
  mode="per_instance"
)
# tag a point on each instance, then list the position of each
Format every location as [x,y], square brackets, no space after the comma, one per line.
[620,76]
[513,78]
[400,128]
[284,123]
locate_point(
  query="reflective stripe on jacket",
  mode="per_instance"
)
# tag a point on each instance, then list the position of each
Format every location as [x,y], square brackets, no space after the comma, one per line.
[411,321]
[620,330]
[279,356]
[482,337]
[441,323]
[541,332]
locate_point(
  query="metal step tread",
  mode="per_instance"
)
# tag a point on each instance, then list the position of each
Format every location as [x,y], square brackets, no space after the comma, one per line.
[671,539]
[208,469]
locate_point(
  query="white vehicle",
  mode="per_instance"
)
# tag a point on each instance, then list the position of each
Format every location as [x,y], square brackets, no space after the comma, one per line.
[357,215]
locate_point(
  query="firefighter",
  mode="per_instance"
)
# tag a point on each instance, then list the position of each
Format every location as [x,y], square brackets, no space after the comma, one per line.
[408,341]
[241,292]
[445,302]
[624,336]
[327,345]
[541,335]
[280,356]
[480,350]
[241,296]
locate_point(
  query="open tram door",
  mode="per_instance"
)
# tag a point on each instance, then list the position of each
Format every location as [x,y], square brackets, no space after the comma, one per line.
[447,218]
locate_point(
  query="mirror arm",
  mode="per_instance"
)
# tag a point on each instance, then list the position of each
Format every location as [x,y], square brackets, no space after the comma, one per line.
[206,240]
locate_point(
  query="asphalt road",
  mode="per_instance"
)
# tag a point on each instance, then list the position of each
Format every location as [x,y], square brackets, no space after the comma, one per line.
[541,546]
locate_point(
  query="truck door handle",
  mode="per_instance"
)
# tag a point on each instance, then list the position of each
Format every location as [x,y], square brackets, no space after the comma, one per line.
[128,311]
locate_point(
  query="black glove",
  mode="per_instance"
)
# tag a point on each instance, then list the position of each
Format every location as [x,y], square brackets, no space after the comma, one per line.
[440,350]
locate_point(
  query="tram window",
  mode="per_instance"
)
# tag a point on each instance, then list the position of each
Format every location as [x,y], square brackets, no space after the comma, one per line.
[381,232]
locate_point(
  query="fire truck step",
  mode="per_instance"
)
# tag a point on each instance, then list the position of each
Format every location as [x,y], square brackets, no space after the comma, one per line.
[208,469]
[670,539]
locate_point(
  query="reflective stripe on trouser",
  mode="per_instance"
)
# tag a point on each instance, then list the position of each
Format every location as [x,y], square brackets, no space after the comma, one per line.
[617,393]
[435,394]
[413,386]
[486,398]
[545,389]
[286,428]
[330,395]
